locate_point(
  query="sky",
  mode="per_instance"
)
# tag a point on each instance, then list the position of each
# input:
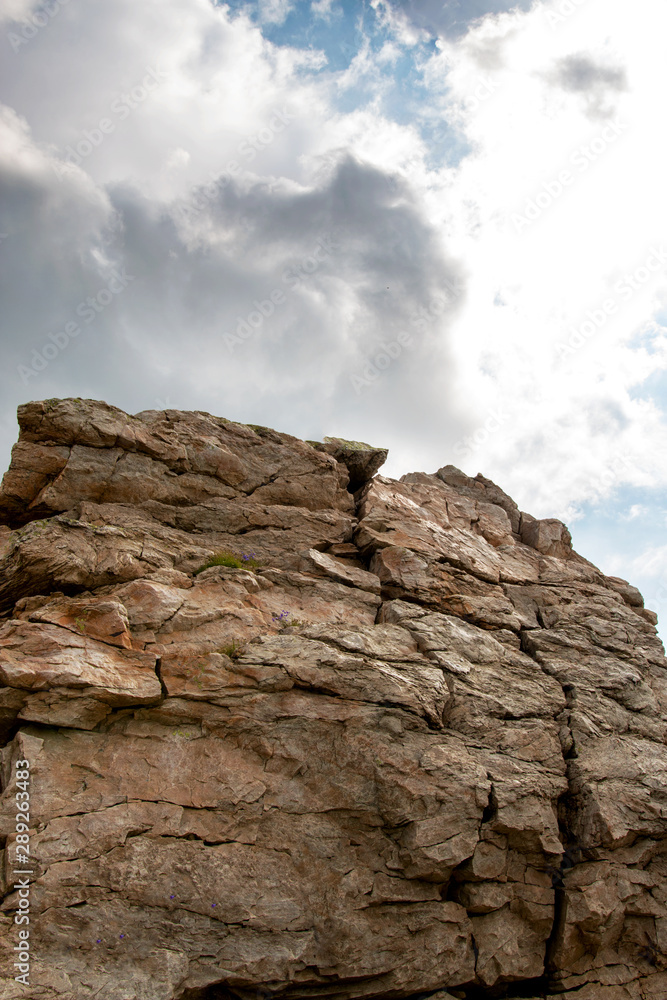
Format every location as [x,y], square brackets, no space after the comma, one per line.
[438,228]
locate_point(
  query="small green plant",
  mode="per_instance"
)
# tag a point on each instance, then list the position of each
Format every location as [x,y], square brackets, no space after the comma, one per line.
[234,650]
[246,561]
[82,620]
[221,559]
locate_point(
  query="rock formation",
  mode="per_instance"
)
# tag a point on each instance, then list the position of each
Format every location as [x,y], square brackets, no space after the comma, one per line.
[289,740]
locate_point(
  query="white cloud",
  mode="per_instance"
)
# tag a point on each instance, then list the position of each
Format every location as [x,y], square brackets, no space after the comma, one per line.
[652,563]
[323,8]
[525,127]
[398,21]
[635,511]
[16,12]
[274,11]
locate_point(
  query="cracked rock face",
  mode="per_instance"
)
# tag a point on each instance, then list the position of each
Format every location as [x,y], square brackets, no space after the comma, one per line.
[397,739]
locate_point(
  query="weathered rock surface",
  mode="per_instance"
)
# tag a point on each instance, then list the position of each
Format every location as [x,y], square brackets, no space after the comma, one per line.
[404,743]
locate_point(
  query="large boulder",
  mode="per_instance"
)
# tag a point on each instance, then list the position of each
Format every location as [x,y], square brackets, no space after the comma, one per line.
[298,730]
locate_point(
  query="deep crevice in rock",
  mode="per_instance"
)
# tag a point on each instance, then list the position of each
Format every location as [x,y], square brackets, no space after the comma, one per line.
[536,989]
[158,674]
[571,853]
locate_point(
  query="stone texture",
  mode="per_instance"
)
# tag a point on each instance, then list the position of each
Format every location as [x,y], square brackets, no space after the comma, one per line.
[412,745]
[75,450]
[361,460]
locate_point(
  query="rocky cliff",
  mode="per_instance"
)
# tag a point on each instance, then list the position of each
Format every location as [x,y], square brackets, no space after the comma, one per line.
[298,730]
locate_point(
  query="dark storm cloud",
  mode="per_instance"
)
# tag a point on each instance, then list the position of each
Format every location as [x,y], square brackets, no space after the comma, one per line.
[378,270]
[581,73]
[596,82]
[164,331]
[453,18]
[56,248]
